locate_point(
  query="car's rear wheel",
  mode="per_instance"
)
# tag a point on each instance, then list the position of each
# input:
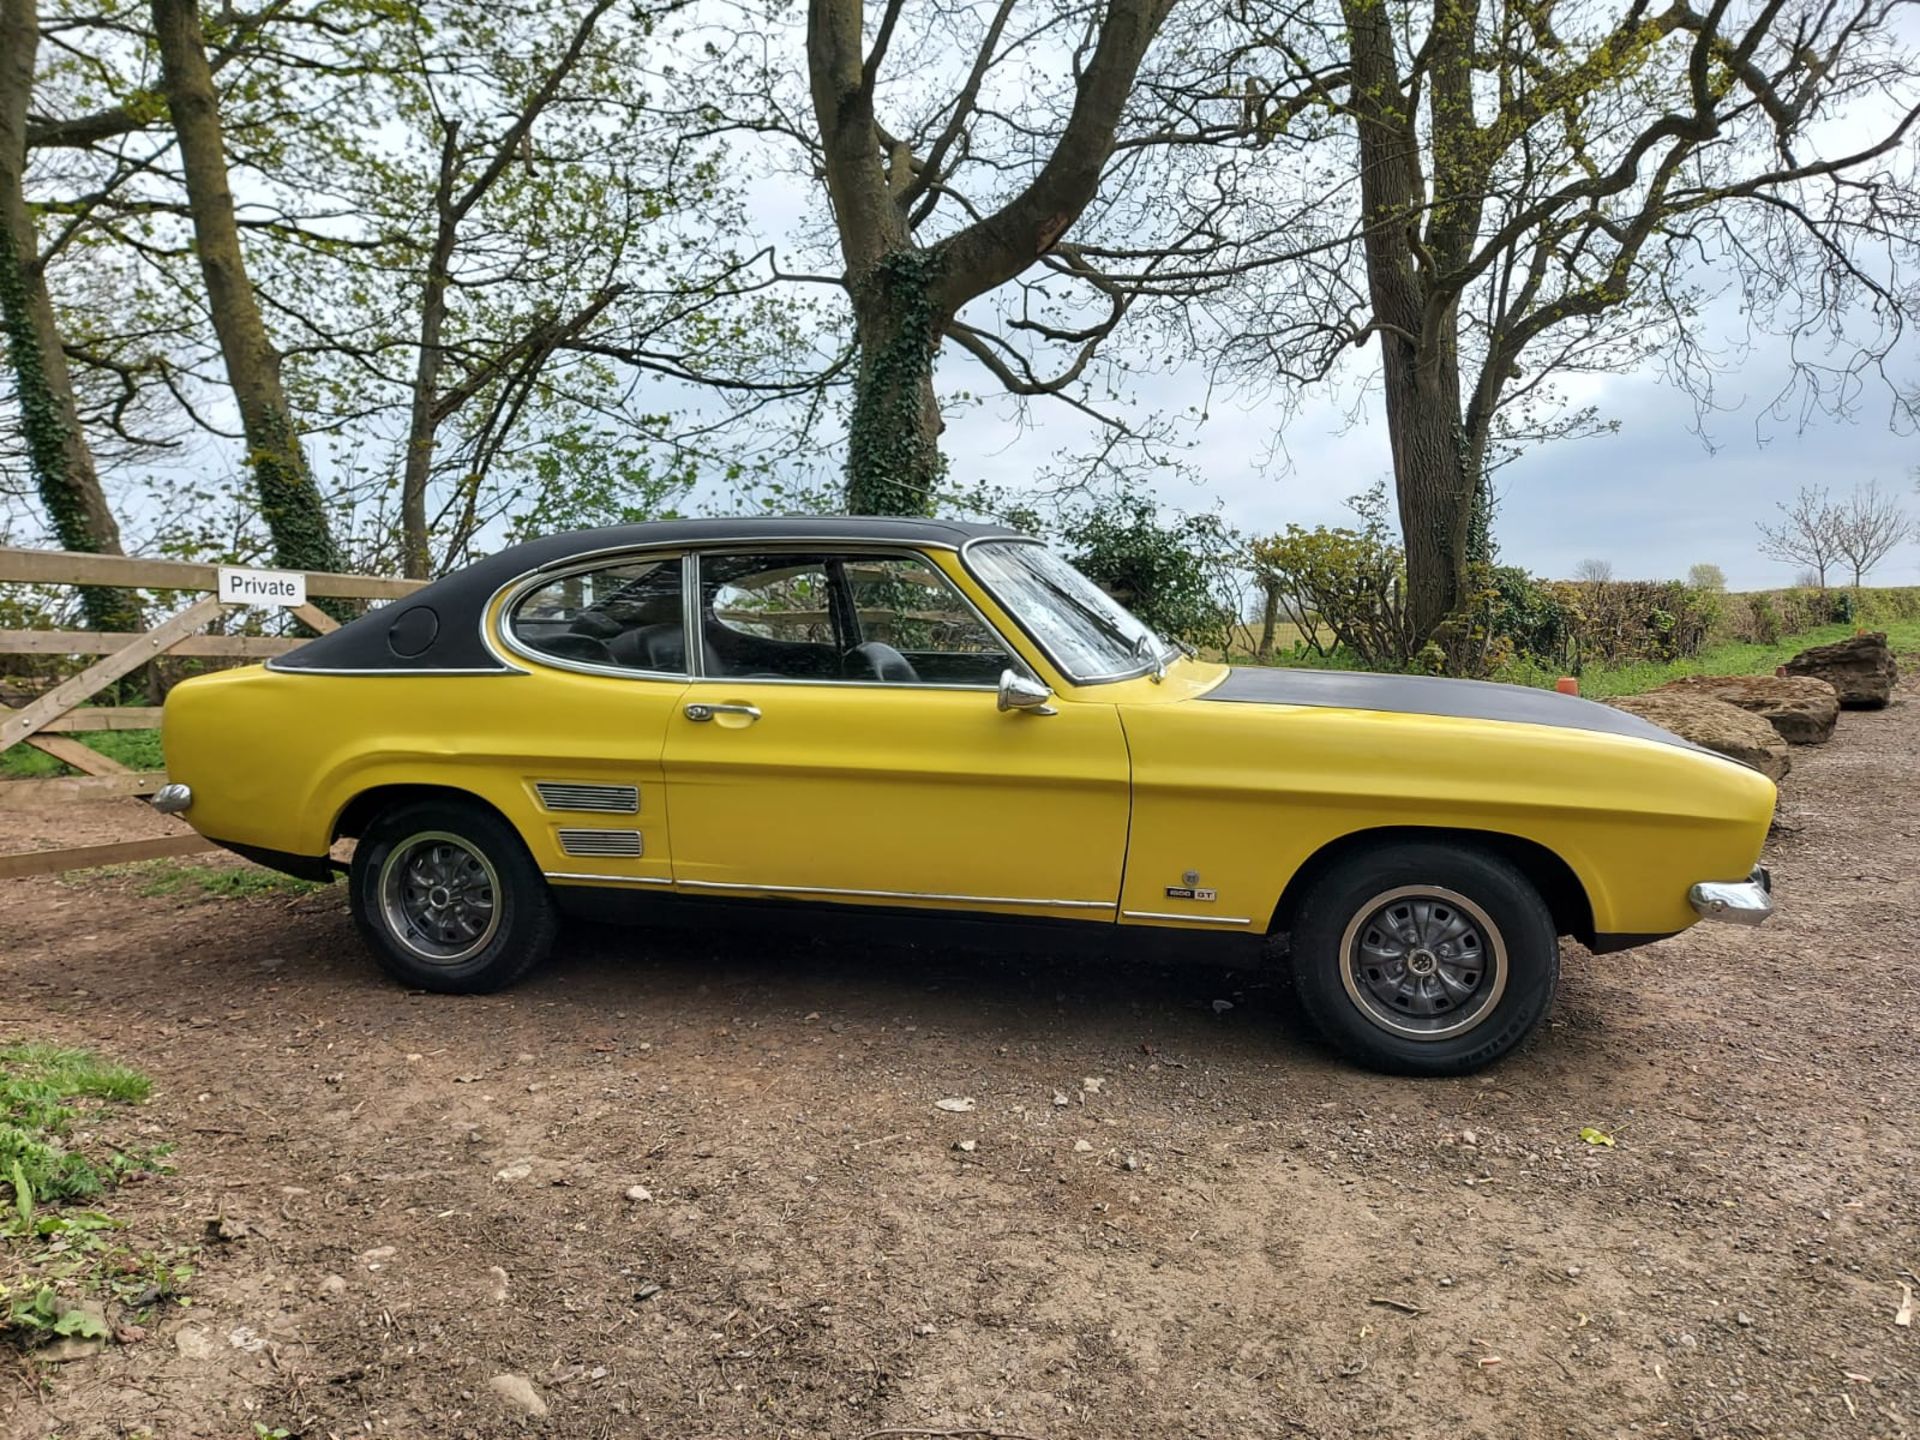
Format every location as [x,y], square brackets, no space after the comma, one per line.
[448,898]
[1423,959]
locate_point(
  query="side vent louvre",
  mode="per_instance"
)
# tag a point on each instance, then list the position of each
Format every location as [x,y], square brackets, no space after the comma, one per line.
[601,799]
[601,842]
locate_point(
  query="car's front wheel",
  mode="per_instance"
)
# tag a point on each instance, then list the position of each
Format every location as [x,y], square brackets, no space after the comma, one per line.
[1423,959]
[448,898]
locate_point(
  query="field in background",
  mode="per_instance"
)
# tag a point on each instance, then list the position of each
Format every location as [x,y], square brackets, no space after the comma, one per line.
[1729,658]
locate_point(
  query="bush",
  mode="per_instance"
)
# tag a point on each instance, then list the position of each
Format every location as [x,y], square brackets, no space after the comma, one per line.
[1169,574]
[1342,588]
[1638,620]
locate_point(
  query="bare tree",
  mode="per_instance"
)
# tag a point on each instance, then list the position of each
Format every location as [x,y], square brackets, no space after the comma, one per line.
[1593,571]
[882,182]
[1807,534]
[1497,193]
[1870,527]
[1706,576]
[57,450]
[290,502]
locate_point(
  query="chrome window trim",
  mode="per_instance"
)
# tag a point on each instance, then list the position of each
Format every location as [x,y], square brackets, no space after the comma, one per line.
[517,590]
[697,655]
[1185,919]
[733,885]
[1014,615]
[504,668]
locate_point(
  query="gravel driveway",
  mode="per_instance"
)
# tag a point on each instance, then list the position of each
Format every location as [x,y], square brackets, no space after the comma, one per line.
[699,1186]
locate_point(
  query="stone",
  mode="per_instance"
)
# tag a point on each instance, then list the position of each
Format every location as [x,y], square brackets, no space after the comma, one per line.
[332,1286]
[1860,668]
[518,1391]
[193,1342]
[1800,707]
[70,1347]
[1715,725]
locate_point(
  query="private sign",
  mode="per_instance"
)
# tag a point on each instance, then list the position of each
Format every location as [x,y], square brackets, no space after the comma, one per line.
[262,587]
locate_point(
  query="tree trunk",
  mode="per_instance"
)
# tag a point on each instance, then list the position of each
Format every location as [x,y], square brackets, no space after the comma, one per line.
[1269,622]
[424,424]
[903,296]
[290,502]
[57,448]
[1419,342]
[894,466]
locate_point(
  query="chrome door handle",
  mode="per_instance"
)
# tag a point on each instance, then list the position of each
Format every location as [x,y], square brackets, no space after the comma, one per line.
[699,710]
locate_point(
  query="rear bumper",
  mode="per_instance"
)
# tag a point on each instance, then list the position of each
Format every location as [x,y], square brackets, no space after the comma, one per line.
[1745,902]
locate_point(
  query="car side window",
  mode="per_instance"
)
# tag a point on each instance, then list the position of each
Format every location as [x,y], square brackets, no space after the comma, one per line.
[892,619]
[906,608]
[627,616]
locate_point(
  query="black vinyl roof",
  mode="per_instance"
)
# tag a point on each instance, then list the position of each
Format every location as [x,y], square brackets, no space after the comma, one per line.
[438,628]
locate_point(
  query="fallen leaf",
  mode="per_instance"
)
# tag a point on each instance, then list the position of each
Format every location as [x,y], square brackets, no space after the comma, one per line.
[1595,1137]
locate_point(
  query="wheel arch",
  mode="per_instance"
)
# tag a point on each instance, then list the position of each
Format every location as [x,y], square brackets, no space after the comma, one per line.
[359,812]
[1565,896]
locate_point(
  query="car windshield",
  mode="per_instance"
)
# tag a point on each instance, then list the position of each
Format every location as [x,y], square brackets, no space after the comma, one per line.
[1086,632]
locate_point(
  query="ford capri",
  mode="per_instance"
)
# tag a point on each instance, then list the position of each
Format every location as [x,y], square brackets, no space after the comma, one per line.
[926,718]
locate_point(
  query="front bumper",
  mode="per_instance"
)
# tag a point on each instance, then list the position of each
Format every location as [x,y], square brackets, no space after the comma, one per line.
[1740,903]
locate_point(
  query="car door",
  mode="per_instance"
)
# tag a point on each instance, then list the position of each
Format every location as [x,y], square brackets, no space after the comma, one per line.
[580,751]
[843,742]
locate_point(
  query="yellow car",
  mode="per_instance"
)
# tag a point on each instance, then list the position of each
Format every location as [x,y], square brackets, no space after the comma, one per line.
[922,718]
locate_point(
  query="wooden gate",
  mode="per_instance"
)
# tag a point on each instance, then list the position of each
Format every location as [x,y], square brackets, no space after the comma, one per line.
[48,720]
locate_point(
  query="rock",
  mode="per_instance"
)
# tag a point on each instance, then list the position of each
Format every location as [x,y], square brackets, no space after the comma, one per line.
[519,1170]
[1860,668]
[966,1147]
[378,1256]
[1092,1084]
[225,1230]
[639,1194]
[1083,1147]
[518,1391]
[332,1285]
[1725,729]
[70,1347]
[496,1285]
[959,1105]
[1800,707]
[193,1342]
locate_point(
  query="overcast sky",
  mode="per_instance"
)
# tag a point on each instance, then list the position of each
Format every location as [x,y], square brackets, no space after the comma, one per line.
[1652,499]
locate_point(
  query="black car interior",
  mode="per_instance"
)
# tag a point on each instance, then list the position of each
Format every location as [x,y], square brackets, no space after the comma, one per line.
[639,627]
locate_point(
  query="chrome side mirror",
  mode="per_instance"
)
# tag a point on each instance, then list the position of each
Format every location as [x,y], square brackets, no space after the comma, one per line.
[1023,692]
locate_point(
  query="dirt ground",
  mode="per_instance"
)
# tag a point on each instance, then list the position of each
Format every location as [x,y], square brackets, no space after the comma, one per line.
[1175,1219]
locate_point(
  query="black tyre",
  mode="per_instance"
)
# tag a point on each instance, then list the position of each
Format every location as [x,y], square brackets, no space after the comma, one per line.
[448,898]
[1424,959]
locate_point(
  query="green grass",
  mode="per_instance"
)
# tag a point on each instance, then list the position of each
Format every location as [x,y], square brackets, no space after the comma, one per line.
[159,878]
[43,1089]
[1599,682]
[136,749]
[59,1264]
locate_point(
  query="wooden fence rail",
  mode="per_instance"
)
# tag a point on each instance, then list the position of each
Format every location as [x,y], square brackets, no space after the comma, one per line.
[46,721]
